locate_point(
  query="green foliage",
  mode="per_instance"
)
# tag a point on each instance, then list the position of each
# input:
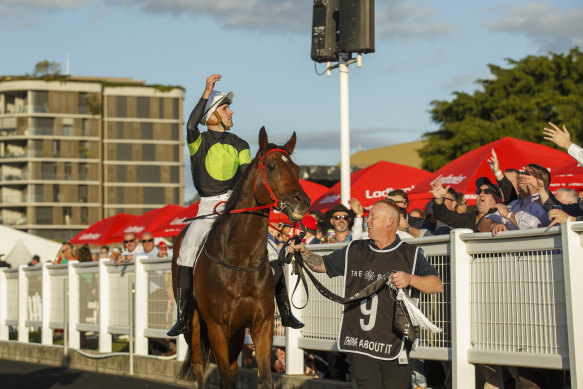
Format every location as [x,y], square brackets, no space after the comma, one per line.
[47,68]
[518,101]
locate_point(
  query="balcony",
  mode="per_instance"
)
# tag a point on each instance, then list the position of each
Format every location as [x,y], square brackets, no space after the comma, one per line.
[41,131]
[15,177]
[21,198]
[48,176]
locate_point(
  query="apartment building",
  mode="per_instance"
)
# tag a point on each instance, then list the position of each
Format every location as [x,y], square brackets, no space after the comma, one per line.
[75,150]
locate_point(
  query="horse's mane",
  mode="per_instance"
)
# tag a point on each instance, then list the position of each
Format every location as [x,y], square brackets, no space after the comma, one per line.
[238,188]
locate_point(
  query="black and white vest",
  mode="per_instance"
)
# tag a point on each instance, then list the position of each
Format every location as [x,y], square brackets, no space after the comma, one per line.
[367,325]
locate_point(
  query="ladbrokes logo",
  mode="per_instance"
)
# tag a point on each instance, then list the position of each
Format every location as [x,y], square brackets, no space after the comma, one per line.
[89,236]
[134,229]
[381,194]
[451,179]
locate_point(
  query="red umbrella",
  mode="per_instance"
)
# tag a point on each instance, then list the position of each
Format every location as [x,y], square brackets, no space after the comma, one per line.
[172,226]
[462,172]
[314,192]
[373,183]
[100,233]
[149,221]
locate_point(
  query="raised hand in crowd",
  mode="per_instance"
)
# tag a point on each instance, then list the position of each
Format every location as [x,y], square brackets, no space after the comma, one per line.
[438,191]
[535,179]
[557,217]
[561,138]
[356,206]
[495,165]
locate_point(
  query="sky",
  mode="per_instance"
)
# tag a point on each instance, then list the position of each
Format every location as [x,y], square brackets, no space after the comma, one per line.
[424,51]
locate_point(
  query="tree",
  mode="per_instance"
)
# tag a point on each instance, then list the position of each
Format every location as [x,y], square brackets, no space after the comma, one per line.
[47,68]
[517,102]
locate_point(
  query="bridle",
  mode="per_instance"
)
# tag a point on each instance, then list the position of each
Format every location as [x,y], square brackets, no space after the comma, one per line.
[277,204]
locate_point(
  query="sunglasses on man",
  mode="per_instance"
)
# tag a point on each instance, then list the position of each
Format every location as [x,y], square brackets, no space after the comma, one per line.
[129,241]
[147,240]
[486,191]
[343,217]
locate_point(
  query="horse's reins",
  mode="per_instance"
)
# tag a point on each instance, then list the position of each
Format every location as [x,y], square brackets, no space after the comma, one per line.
[272,205]
[300,266]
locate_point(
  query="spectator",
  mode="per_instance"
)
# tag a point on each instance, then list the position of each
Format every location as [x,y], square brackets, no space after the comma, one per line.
[65,254]
[84,254]
[523,213]
[462,203]
[131,248]
[311,230]
[413,226]
[34,261]
[450,202]
[382,253]
[419,214]
[3,263]
[488,196]
[104,252]
[322,225]
[341,219]
[567,196]
[149,247]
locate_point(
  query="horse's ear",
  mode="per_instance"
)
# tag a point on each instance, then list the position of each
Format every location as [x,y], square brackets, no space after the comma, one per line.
[291,143]
[263,142]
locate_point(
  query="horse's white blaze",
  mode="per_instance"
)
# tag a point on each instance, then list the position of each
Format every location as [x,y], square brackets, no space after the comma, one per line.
[284,158]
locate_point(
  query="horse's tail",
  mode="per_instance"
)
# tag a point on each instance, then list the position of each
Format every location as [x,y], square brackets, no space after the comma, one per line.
[186,372]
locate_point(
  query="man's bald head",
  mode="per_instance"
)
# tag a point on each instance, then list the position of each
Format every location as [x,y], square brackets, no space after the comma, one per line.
[391,208]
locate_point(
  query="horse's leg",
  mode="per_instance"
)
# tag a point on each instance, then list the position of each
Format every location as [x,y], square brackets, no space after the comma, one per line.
[262,336]
[220,345]
[198,353]
[235,347]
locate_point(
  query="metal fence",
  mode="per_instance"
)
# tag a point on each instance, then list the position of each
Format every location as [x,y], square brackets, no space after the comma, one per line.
[508,300]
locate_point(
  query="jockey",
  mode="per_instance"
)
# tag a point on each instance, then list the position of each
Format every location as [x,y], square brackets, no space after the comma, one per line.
[217,158]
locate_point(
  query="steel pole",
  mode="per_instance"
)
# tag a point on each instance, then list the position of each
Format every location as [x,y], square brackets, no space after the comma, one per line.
[344,129]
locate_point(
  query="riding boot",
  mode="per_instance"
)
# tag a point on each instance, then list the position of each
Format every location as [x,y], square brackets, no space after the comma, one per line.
[183,301]
[282,299]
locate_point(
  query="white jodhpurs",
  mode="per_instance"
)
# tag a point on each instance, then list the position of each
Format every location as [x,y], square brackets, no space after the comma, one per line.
[199,228]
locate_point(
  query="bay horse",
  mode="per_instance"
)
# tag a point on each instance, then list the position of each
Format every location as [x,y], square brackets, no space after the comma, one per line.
[233,281]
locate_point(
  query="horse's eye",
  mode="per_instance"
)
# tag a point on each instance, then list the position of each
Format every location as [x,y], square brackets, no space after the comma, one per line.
[271,165]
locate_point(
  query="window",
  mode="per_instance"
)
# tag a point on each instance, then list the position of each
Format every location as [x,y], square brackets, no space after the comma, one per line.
[161,107]
[49,170]
[82,96]
[174,131]
[83,171]
[148,131]
[44,215]
[122,106]
[148,173]
[120,195]
[56,148]
[85,128]
[121,173]
[68,170]
[148,152]
[42,126]
[120,130]
[40,101]
[143,107]
[83,194]
[56,194]
[175,105]
[67,129]
[154,195]
[174,174]
[67,215]
[83,149]
[124,152]
[84,215]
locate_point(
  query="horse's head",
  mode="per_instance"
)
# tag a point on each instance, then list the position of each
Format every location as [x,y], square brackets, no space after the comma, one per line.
[280,178]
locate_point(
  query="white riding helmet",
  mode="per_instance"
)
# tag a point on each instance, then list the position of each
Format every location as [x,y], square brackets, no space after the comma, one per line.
[214,101]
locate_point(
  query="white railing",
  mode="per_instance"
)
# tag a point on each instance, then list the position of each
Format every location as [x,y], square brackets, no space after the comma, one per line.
[508,300]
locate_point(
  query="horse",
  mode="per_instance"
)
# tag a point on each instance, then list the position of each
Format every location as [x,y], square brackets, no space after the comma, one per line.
[233,281]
